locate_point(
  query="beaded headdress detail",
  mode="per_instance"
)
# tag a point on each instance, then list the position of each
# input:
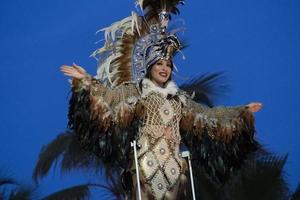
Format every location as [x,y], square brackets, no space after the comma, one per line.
[136,42]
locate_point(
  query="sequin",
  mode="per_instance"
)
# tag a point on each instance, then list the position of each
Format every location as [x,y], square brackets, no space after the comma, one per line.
[150,163]
[160,186]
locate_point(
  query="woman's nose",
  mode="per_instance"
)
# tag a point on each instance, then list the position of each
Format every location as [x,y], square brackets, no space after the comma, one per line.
[164,67]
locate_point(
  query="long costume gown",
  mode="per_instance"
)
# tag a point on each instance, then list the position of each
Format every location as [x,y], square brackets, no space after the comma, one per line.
[107,120]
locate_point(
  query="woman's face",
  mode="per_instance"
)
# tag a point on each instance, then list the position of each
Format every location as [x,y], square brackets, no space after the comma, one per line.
[160,72]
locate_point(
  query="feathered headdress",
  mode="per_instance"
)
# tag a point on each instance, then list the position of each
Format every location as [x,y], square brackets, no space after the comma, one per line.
[136,42]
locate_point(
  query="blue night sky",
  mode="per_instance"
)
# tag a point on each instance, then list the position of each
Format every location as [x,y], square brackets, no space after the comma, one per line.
[256,43]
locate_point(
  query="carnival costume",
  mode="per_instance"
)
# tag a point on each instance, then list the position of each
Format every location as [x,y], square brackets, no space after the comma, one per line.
[120,105]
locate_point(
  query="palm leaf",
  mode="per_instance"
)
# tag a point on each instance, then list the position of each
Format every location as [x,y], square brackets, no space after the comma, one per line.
[205,187]
[50,154]
[75,157]
[15,191]
[21,193]
[79,192]
[6,181]
[206,87]
[66,147]
[296,195]
[258,179]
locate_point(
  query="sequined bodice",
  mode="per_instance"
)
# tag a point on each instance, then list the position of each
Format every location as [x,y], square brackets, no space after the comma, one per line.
[159,140]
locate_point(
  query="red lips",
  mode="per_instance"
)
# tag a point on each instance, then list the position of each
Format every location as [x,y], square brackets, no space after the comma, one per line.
[163,74]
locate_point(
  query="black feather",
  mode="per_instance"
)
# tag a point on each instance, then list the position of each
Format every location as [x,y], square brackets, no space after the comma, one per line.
[206,87]
[112,143]
[218,158]
[156,6]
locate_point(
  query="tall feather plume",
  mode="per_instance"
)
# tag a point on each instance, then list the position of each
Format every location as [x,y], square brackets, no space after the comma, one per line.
[114,59]
[152,8]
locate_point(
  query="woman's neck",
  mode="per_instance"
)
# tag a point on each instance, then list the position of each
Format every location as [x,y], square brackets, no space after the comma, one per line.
[162,85]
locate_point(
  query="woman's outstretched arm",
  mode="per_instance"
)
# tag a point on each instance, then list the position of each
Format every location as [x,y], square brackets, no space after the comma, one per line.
[219,122]
[97,97]
[220,139]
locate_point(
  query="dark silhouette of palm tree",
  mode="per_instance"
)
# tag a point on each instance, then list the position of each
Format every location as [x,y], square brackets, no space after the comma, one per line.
[10,189]
[296,195]
[258,178]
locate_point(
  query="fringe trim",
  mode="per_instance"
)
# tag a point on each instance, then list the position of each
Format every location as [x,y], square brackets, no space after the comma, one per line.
[200,124]
[101,112]
[124,114]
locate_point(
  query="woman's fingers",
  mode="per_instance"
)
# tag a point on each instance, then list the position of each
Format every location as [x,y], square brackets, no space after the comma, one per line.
[254,107]
[66,68]
[69,69]
[80,69]
[73,71]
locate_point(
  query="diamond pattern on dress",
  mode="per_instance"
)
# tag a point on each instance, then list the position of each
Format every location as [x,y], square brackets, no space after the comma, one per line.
[149,164]
[166,112]
[172,171]
[143,145]
[159,185]
[178,157]
[161,150]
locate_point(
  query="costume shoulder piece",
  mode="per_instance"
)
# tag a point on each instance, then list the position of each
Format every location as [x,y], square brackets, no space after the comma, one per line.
[130,43]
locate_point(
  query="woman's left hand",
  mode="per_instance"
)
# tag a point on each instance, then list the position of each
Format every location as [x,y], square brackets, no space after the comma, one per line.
[254,107]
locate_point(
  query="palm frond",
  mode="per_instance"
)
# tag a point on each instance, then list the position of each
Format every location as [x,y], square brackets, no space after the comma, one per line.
[14,191]
[205,187]
[67,147]
[79,192]
[258,179]
[206,87]
[296,195]
[21,193]
[50,154]
[76,157]
[116,188]
[6,181]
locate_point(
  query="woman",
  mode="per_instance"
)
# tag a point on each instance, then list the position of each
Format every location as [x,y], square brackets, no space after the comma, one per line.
[134,98]
[165,110]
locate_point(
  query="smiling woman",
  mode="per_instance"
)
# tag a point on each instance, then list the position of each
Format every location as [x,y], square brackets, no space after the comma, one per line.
[160,72]
[136,100]
[255,42]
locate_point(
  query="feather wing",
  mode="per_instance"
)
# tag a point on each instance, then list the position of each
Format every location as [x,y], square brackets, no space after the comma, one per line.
[219,158]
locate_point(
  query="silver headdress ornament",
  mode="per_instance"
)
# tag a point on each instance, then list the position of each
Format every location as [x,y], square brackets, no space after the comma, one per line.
[136,42]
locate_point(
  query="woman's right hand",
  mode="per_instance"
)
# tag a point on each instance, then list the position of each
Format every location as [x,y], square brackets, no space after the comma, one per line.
[74,71]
